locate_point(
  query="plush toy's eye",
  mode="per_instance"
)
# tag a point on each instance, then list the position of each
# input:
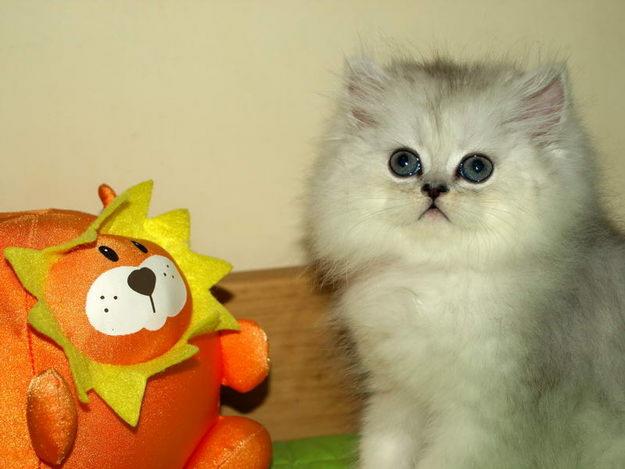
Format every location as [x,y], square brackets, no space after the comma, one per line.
[109,253]
[140,247]
[405,163]
[475,168]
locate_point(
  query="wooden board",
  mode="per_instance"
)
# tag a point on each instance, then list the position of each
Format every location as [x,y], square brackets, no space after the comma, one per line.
[307,393]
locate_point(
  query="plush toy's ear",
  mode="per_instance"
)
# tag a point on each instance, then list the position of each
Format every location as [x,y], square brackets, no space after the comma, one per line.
[543,102]
[106,194]
[364,85]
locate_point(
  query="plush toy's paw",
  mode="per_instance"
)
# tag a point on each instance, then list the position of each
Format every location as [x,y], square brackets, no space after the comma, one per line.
[233,443]
[245,356]
[51,416]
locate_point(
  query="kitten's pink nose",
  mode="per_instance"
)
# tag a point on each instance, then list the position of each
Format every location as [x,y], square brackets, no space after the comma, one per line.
[434,190]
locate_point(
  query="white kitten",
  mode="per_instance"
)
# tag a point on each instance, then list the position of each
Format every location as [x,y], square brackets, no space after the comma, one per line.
[485,291]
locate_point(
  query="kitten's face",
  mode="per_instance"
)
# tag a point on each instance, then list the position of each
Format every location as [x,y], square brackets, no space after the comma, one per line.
[362,209]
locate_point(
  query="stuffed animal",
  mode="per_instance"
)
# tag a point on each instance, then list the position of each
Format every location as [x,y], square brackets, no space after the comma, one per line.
[112,348]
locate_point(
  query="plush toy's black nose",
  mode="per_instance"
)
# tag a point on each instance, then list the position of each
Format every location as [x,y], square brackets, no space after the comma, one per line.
[142,281]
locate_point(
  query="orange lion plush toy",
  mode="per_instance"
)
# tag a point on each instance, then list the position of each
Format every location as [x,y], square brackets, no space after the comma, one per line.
[113,350]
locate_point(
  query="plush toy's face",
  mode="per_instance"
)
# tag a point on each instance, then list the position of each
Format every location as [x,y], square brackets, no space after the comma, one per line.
[119,300]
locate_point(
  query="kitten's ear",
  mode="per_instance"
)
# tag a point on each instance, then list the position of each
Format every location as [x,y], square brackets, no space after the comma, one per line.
[543,102]
[364,84]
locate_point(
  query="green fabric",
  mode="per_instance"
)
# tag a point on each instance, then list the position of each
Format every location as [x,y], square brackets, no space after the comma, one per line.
[324,452]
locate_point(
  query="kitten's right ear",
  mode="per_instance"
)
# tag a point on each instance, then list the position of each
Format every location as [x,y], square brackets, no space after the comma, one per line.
[544,101]
[364,85]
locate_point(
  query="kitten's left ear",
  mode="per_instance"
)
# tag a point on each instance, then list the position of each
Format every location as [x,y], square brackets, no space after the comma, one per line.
[543,102]
[364,83]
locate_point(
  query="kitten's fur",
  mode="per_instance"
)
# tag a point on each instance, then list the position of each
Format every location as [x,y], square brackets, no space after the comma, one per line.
[495,339]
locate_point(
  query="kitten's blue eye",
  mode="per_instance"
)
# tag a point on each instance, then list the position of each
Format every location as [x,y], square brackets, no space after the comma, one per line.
[475,168]
[405,163]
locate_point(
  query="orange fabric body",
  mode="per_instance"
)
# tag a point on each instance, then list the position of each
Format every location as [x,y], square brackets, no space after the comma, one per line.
[179,407]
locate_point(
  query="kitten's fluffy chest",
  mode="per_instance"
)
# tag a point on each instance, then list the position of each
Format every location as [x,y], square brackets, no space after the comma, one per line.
[436,332]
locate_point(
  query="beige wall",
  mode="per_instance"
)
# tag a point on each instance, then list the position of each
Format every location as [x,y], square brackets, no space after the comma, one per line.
[221,101]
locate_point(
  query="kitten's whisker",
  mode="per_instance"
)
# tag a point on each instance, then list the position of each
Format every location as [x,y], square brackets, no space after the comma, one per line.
[371,215]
